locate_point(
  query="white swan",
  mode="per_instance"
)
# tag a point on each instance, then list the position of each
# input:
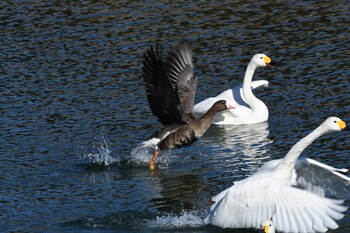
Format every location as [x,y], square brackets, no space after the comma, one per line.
[266,226]
[271,193]
[248,108]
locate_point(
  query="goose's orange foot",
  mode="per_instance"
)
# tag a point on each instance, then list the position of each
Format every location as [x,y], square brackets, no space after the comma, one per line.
[152,166]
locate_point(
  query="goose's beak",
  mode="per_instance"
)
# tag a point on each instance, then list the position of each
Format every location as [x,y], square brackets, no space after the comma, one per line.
[228,106]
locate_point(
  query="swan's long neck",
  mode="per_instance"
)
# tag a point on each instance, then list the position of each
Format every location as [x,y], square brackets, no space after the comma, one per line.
[286,166]
[247,90]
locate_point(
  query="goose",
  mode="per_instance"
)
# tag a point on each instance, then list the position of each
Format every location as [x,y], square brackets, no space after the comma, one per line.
[170,88]
[274,193]
[266,226]
[248,108]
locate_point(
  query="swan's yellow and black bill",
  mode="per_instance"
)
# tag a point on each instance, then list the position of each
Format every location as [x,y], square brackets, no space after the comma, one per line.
[264,229]
[342,124]
[268,61]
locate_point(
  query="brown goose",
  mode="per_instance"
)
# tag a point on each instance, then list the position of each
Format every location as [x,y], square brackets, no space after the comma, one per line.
[171,88]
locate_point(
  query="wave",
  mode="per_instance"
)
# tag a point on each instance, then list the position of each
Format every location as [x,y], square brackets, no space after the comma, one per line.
[170,221]
[147,221]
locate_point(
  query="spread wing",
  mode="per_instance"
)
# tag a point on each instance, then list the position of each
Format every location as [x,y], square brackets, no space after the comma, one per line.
[322,178]
[162,97]
[180,72]
[316,177]
[246,204]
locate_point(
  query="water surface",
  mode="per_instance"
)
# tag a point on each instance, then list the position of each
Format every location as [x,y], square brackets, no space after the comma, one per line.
[71,87]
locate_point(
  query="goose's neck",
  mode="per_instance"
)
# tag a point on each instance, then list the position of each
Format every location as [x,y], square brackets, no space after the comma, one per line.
[287,164]
[210,113]
[247,90]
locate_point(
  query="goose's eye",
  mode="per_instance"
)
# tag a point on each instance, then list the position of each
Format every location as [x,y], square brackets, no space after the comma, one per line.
[270,224]
[261,57]
[335,121]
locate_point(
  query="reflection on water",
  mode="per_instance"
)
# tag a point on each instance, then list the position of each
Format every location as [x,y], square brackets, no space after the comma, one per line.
[178,191]
[240,148]
[251,140]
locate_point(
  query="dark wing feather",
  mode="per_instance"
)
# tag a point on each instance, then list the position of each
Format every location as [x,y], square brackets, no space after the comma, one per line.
[179,68]
[162,98]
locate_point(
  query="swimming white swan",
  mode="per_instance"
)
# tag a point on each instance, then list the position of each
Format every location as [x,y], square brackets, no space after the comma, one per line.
[266,226]
[274,193]
[248,108]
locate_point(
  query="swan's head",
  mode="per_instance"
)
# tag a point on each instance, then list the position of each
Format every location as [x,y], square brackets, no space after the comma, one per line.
[266,226]
[334,124]
[261,60]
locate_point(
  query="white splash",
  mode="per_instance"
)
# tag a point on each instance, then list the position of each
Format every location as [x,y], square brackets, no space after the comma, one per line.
[139,156]
[171,221]
[143,153]
[103,156]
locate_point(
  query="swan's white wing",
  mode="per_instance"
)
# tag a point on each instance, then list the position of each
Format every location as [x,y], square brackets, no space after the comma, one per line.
[202,107]
[237,92]
[232,96]
[335,171]
[259,83]
[322,178]
[241,206]
[302,211]
[268,166]
[247,203]
[316,177]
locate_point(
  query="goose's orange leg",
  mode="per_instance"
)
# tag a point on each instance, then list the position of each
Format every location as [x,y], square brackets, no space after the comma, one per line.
[153,161]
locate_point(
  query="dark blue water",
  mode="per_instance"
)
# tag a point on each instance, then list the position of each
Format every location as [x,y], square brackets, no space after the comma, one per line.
[71,97]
